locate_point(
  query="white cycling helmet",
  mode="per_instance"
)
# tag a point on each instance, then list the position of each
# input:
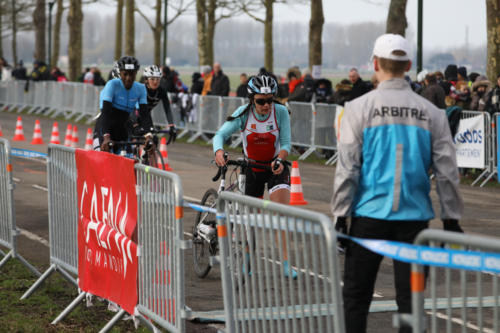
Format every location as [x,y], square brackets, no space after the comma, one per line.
[152,71]
[115,72]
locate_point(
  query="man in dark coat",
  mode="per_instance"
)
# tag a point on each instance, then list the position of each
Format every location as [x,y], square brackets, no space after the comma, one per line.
[220,82]
[433,92]
[359,87]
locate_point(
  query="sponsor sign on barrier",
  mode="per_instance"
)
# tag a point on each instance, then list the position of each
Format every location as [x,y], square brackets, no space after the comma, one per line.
[470,143]
[107,253]
[27,153]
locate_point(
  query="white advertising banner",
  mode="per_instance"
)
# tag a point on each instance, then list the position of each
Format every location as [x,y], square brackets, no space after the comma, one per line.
[470,143]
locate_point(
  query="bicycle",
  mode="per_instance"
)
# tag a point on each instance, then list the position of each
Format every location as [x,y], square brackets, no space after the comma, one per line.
[151,155]
[205,241]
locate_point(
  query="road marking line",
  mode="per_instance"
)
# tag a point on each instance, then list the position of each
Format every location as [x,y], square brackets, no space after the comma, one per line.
[39,187]
[17,180]
[34,237]
[191,199]
[188,234]
[460,322]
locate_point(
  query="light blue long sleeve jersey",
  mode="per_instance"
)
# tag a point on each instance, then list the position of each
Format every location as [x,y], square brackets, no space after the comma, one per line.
[229,127]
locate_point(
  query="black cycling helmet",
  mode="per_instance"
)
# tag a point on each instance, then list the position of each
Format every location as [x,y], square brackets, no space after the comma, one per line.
[128,63]
[262,84]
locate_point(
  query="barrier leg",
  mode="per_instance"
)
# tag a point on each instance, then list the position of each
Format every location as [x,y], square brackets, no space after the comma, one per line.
[307,153]
[2,253]
[479,177]
[332,159]
[38,282]
[488,179]
[67,276]
[6,258]
[28,265]
[70,308]
[113,321]
[183,133]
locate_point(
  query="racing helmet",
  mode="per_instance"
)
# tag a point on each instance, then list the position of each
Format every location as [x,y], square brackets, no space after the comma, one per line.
[128,63]
[262,84]
[152,71]
[115,72]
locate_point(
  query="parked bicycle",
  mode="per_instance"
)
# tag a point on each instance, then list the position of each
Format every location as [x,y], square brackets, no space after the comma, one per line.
[205,241]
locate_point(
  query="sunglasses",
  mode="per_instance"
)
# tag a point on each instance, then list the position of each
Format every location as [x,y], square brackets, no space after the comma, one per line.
[264,101]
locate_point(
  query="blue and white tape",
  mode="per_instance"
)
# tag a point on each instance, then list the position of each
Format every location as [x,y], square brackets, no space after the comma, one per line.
[27,153]
[425,255]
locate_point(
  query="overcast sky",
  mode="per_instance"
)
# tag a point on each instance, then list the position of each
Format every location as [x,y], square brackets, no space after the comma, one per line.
[445,21]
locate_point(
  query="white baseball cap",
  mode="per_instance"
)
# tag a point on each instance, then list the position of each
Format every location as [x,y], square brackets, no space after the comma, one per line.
[386,44]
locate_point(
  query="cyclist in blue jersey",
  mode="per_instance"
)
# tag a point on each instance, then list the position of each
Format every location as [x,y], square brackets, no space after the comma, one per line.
[265,130]
[119,99]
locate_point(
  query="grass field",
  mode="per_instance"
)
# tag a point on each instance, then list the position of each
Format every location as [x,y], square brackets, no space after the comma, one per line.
[35,313]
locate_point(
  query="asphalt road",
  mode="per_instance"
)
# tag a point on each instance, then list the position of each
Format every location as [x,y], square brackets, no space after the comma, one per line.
[192,163]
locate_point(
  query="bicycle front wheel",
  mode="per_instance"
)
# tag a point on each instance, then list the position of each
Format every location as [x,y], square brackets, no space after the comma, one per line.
[204,245]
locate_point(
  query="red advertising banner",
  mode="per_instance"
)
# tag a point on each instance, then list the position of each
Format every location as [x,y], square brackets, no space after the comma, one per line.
[107,253]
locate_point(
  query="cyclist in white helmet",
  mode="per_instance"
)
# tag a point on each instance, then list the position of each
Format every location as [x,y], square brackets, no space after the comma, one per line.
[156,93]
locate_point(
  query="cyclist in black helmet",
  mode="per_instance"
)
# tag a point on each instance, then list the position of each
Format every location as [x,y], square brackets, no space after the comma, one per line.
[156,93]
[265,130]
[119,99]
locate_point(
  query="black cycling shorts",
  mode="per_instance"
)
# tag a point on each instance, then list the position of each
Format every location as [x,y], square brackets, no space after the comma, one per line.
[256,181]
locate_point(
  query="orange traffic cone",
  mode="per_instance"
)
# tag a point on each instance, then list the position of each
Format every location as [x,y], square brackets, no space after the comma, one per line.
[74,139]
[68,138]
[1,134]
[19,134]
[54,137]
[296,195]
[37,134]
[164,154]
[88,140]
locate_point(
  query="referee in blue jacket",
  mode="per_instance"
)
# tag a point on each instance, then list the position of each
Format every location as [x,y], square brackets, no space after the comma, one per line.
[390,138]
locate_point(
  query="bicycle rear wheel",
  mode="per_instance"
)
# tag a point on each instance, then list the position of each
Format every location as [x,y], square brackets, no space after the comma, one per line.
[203,248]
[154,159]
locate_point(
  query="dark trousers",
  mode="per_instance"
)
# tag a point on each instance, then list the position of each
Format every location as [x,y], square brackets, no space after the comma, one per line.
[361,267]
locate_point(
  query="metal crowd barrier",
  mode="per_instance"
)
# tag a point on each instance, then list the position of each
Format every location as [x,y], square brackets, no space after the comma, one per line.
[8,229]
[258,297]
[161,241]
[63,215]
[452,290]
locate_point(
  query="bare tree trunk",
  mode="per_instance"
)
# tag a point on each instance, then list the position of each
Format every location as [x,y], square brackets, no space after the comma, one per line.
[396,19]
[14,32]
[315,33]
[75,20]
[57,34]
[2,6]
[268,36]
[493,36]
[119,29]
[157,33]
[39,25]
[129,28]
[212,6]
[202,32]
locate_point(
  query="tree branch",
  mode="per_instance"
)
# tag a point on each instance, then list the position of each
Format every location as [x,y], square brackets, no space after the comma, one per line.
[145,18]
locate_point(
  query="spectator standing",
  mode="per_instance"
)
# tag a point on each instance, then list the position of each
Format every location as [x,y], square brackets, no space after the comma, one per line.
[242,88]
[481,90]
[58,75]
[220,82]
[324,91]
[40,71]
[197,83]
[382,180]
[88,77]
[462,95]
[207,80]
[462,74]
[433,92]
[359,87]
[494,102]
[5,70]
[342,92]
[20,72]
[98,79]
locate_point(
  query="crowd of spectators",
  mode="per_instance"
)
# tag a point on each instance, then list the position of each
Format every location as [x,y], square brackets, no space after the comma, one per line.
[453,88]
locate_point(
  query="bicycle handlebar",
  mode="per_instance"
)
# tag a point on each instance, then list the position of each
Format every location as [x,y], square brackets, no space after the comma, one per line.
[244,163]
